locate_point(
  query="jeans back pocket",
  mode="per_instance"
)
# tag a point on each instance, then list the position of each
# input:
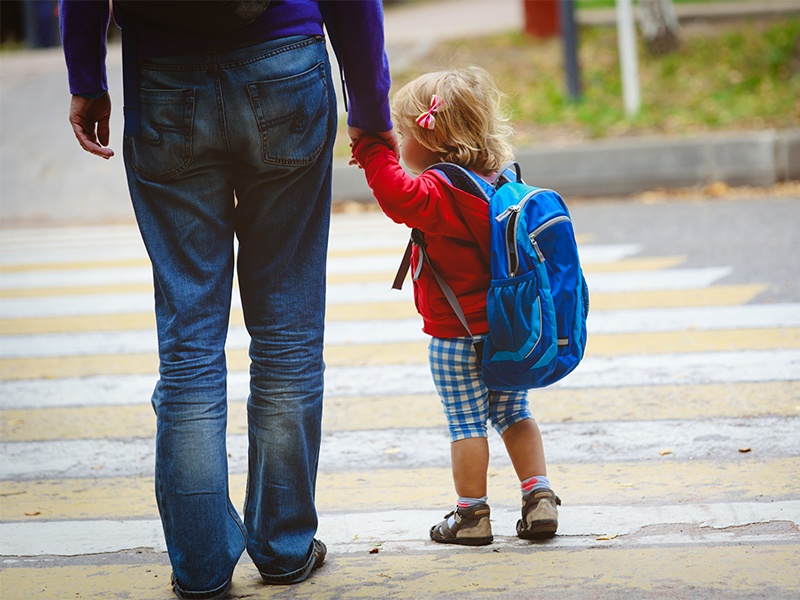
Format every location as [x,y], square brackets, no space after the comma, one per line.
[164,146]
[292,116]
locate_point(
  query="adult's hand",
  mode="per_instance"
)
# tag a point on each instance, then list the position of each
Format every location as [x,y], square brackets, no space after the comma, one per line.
[89,118]
[387,136]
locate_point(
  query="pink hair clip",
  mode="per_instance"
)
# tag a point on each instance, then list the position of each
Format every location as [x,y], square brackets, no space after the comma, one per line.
[427,120]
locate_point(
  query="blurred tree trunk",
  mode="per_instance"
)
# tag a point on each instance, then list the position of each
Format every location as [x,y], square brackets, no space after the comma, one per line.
[659,24]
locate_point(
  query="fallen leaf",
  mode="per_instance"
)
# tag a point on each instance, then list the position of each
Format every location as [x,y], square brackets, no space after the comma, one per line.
[374,550]
[666,451]
[745,449]
[718,188]
[604,538]
[33,514]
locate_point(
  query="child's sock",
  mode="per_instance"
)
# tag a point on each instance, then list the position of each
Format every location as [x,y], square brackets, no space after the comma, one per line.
[532,483]
[467,502]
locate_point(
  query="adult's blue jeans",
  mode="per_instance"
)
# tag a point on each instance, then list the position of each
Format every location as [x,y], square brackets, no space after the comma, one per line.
[237,144]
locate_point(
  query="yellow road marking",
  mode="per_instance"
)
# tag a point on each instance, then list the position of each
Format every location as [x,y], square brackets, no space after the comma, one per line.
[644,263]
[735,400]
[76,265]
[414,352]
[723,295]
[603,571]
[84,290]
[82,323]
[611,483]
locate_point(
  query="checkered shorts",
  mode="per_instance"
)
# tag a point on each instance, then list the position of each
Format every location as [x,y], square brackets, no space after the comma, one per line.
[468,403]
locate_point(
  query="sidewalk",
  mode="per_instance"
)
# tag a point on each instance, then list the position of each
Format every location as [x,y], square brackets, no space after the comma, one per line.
[608,167]
[47,179]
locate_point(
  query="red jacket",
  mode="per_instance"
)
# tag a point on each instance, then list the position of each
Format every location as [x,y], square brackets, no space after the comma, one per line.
[456,228]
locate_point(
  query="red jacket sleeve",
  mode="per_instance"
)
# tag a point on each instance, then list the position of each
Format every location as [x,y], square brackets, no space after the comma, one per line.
[426,202]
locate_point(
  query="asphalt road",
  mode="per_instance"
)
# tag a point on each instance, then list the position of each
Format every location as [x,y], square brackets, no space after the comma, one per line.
[758,236]
[673,446]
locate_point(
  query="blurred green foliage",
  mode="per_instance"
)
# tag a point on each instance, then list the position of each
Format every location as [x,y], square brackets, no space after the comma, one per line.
[742,74]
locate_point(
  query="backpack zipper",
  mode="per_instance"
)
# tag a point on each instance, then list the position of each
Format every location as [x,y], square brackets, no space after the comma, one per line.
[512,257]
[540,229]
[513,211]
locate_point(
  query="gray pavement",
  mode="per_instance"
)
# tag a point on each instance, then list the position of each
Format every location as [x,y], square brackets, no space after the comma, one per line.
[46,178]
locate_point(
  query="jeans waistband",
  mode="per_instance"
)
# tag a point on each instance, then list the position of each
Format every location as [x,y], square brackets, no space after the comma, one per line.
[230,57]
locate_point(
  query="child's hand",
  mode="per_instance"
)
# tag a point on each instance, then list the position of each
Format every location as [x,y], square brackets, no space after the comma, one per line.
[388,137]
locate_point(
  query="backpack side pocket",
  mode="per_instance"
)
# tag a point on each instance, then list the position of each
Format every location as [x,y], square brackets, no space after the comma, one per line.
[523,330]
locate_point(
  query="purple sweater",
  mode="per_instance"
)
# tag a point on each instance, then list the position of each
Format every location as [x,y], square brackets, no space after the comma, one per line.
[355,28]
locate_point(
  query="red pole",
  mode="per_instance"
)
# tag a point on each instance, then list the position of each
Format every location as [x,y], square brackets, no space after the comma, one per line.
[541,18]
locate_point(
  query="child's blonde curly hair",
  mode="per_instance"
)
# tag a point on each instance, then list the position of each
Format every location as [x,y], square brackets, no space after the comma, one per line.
[471,127]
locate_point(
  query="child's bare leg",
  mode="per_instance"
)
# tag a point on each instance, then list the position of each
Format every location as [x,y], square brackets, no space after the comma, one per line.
[523,442]
[470,463]
[469,524]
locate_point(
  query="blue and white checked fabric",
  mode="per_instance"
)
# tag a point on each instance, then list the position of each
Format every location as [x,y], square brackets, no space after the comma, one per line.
[468,403]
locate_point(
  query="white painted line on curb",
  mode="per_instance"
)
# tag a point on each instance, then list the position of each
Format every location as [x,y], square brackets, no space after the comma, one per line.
[414,448]
[358,532]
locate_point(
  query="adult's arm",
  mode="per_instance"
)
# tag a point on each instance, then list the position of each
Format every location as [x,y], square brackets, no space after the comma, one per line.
[357,36]
[84,25]
[83,32]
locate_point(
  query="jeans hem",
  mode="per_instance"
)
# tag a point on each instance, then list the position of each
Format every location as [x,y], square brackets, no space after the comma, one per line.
[215,594]
[300,574]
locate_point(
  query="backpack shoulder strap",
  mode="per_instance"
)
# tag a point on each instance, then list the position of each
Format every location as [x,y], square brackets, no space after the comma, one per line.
[461,179]
[504,175]
[448,292]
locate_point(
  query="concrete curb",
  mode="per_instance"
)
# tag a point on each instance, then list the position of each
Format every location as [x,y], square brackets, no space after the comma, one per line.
[627,166]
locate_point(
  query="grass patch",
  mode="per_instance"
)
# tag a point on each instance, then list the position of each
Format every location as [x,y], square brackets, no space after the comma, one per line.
[733,75]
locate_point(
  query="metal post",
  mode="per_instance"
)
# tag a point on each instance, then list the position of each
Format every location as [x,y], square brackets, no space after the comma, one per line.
[626,36]
[570,41]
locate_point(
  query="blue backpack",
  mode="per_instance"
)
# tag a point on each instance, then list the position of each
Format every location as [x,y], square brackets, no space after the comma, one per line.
[538,299]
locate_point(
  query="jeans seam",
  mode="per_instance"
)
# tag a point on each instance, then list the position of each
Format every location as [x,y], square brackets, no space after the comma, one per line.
[220,101]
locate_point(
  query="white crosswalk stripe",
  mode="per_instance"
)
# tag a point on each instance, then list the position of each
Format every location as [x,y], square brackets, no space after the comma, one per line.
[398,530]
[408,330]
[393,380]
